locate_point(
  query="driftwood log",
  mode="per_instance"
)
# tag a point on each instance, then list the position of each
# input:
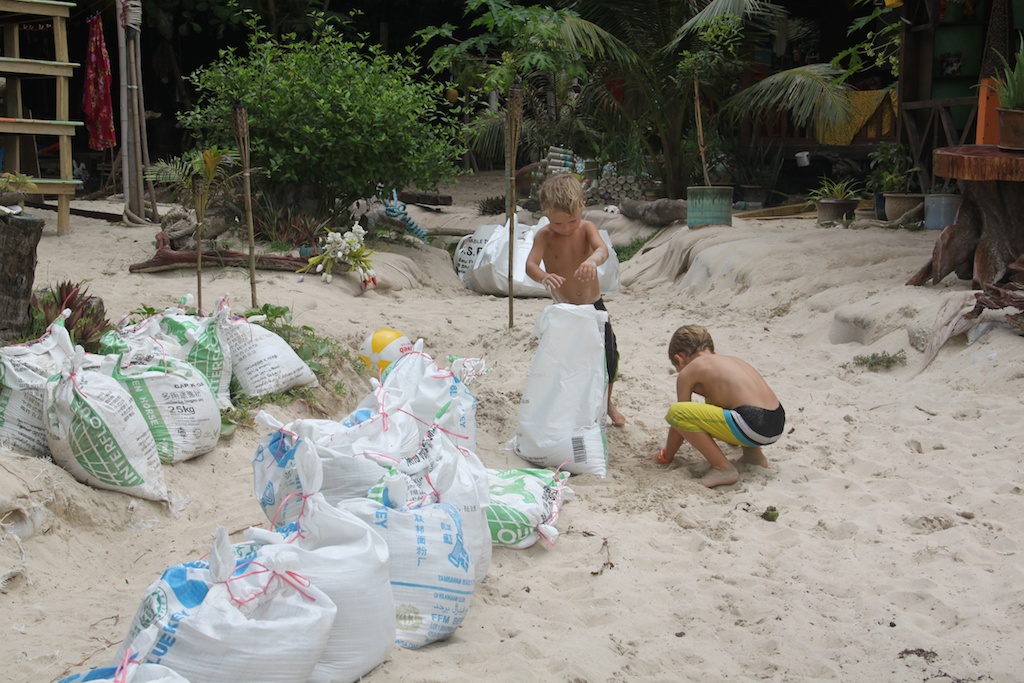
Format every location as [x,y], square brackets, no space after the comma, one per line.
[167,258]
[659,213]
[987,235]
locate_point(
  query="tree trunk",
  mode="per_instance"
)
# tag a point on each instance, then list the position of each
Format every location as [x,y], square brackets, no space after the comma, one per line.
[19,237]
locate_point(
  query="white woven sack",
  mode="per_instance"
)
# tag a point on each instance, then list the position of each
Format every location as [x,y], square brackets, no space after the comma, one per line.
[525,504]
[348,561]
[214,622]
[431,569]
[440,473]
[24,369]
[96,432]
[489,271]
[417,385]
[285,468]
[176,402]
[263,362]
[349,452]
[564,404]
[127,672]
[202,344]
[469,248]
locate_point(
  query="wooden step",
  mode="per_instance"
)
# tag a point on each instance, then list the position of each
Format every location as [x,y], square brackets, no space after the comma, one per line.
[33,9]
[38,127]
[36,67]
[54,186]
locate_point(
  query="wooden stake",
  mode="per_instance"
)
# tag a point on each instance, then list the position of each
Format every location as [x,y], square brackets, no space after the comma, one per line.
[241,121]
[513,126]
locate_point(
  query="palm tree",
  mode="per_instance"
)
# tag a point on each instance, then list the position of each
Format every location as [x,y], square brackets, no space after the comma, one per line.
[657,97]
[198,176]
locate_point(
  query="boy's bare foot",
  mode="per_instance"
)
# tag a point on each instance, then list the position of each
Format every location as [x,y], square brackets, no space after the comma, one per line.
[715,477]
[617,418]
[754,456]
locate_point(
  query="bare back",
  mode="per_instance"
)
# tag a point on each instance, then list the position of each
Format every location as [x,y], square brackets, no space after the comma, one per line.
[725,381]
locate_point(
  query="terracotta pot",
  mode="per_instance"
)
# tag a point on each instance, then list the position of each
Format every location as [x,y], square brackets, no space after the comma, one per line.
[897,204]
[1011,129]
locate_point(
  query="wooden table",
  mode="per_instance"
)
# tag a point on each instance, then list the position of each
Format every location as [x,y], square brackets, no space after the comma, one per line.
[985,242]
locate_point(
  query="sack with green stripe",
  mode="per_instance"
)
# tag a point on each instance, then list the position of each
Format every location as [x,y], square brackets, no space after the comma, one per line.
[525,504]
[96,432]
[175,400]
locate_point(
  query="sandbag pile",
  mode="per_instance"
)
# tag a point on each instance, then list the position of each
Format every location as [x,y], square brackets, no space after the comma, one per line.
[153,396]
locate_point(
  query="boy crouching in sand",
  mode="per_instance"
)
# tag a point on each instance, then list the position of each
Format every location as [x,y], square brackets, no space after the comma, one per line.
[571,250]
[740,409]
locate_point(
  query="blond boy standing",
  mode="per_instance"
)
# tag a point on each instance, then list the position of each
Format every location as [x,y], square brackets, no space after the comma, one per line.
[571,249]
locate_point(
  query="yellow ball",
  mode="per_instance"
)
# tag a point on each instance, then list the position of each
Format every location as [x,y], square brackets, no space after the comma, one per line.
[383,347]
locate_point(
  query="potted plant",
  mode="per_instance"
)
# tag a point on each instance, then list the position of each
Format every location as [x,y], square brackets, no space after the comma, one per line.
[835,199]
[893,179]
[716,56]
[1009,86]
[13,186]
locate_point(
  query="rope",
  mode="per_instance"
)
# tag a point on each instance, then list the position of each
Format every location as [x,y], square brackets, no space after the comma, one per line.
[131,14]
[396,209]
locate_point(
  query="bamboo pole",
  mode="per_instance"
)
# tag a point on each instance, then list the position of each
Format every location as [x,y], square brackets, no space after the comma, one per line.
[154,213]
[241,122]
[135,155]
[122,62]
[513,125]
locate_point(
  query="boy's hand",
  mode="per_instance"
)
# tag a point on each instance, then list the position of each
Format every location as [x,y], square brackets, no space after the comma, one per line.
[552,281]
[659,457]
[586,271]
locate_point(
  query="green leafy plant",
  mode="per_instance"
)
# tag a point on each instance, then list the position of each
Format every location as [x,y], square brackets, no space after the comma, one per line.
[1009,85]
[882,360]
[633,248]
[828,188]
[87,322]
[329,119]
[880,46]
[891,169]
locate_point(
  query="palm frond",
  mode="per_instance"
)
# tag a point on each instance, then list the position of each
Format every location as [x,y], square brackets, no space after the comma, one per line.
[807,93]
[757,11]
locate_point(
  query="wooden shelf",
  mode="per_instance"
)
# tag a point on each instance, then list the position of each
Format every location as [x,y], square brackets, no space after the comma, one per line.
[14,122]
[36,67]
[37,127]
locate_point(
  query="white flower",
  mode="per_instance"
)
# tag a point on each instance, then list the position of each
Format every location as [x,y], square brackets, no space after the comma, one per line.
[319,267]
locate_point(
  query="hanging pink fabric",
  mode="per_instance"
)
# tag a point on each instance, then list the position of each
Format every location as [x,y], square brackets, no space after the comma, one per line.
[96,105]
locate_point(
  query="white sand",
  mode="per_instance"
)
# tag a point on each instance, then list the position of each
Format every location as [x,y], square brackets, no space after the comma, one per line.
[897,554]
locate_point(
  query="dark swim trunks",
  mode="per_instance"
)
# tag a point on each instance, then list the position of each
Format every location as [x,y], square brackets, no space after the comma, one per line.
[611,349]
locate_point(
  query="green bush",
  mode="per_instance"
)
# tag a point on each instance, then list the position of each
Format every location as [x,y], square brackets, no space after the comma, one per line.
[328,116]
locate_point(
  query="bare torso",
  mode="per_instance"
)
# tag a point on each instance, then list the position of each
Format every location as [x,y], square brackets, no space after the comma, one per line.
[562,255]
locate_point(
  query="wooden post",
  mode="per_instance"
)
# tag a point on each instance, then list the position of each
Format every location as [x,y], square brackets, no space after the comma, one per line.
[513,125]
[241,122]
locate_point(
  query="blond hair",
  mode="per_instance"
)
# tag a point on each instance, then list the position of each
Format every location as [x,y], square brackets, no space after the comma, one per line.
[562,192]
[688,340]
